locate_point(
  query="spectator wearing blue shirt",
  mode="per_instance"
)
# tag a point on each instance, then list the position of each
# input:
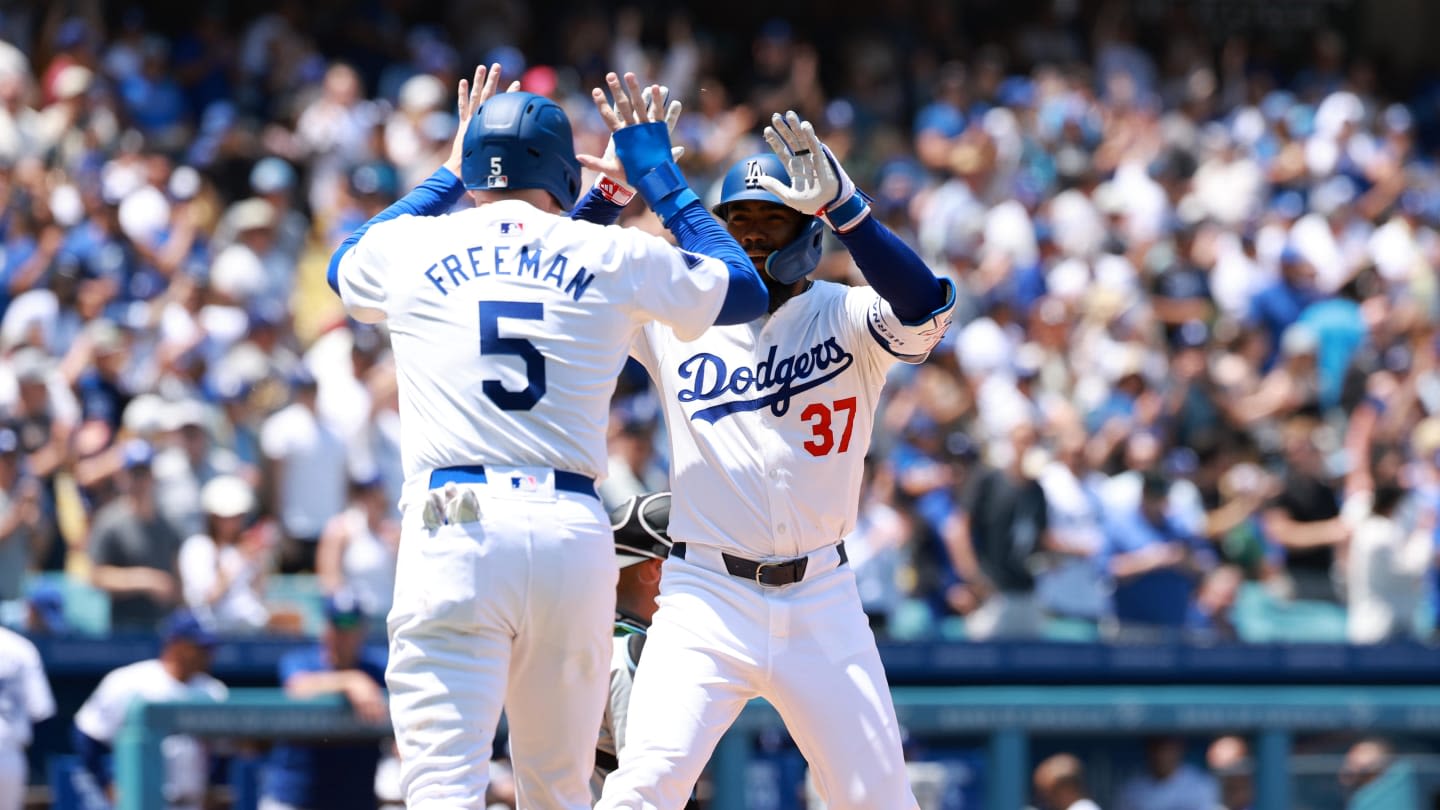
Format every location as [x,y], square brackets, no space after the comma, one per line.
[1279,305]
[940,122]
[1154,561]
[310,776]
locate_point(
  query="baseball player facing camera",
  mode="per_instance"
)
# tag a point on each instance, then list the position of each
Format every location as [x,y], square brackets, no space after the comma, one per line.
[510,322]
[769,423]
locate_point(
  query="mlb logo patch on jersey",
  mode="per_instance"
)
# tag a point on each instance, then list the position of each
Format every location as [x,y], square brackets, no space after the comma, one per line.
[511,228]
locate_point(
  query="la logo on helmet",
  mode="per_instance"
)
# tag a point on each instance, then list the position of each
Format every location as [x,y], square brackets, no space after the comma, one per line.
[753,173]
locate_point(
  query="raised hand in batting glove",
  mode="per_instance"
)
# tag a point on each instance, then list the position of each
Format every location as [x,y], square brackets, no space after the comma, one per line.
[612,181]
[819,185]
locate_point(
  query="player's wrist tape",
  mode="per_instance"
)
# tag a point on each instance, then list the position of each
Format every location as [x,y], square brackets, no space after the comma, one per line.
[614,190]
[644,151]
[848,213]
[665,190]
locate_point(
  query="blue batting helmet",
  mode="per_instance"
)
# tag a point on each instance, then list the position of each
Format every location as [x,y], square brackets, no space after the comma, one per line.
[794,261]
[521,140]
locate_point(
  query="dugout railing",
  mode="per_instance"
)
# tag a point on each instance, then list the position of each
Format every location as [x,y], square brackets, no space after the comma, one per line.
[1007,716]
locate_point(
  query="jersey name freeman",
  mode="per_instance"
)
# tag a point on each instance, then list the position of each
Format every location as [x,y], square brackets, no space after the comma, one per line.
[506,260]
[710,378]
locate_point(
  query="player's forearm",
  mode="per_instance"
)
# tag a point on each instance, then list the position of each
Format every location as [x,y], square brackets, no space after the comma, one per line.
[896,272]
[436,195]
[698,232]
[124,580]
[311,684]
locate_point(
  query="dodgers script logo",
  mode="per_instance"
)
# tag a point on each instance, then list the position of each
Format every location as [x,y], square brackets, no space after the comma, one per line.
[711,379]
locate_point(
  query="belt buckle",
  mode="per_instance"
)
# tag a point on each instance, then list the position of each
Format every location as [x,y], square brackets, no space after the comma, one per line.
[760,570]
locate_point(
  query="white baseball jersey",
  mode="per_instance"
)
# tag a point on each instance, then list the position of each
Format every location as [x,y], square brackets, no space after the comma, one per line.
[510,326]
[103,713]
[774,407]
[25,697]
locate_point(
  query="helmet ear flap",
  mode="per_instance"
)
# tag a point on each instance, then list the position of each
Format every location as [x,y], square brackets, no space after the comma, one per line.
[798,259]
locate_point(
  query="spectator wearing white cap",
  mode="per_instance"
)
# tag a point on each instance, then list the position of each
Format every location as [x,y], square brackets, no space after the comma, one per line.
[405,142]
[223,567]
[254,267]
[188,461]
[273,180]
[19,122]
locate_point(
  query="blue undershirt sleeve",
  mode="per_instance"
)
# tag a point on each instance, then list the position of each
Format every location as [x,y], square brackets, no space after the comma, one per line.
[436,195]
[593,207]
[698,232]
[895,272]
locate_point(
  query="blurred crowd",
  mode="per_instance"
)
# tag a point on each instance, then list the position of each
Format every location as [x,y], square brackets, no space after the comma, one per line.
[1196,356]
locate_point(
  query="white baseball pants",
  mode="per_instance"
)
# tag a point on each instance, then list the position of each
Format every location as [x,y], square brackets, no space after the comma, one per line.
[14,778]
[717,642]
[514,609]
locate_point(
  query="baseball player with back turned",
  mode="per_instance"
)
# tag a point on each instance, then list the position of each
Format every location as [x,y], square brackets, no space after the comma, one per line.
[509,323]
[769,423]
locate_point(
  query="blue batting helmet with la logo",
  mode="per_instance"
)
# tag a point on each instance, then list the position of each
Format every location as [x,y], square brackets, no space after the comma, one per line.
[742,182]
[796,260]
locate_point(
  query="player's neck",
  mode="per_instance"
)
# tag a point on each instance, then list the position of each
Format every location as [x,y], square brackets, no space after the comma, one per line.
[780,293]
[536,197]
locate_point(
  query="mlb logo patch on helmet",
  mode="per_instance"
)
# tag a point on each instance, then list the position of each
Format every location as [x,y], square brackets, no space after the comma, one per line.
[497,181]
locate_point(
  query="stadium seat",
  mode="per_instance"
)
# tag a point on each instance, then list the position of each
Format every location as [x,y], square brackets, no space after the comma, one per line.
[952,628]
[911,620]
[1396,789]
[1260,617]
[87,608]
[299,594]
[1069,628]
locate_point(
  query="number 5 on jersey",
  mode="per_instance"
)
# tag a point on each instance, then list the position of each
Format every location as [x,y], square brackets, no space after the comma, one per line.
[492,344]
[818,416]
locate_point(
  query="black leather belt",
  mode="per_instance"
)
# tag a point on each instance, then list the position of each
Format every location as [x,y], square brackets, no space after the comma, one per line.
[771,574]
